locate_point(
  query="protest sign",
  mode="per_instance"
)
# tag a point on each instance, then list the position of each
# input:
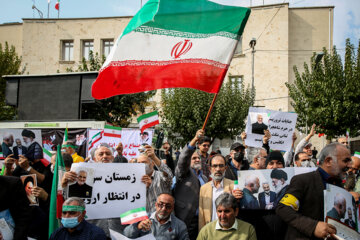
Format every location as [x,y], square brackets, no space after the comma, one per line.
[12,139]
[117,188]
[118,236]
[130,138]
[53,137]
[29,182]
[339,205]
[263,189]
[280,124]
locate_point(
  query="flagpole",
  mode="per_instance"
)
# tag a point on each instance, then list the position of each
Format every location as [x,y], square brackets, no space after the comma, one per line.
[48,8]
[210,110]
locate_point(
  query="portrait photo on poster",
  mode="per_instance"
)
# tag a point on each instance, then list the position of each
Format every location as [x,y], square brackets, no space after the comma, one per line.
[340,205]
[259,122]
[83,186]
[30,182]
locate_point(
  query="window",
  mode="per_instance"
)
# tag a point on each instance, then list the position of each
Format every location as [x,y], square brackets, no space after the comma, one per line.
[238,50]
[87,46]
[107,45]
[236,80]
[67,53]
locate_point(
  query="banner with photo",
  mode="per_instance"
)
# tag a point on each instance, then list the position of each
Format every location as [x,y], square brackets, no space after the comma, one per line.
[263,189]
[340,207]
[109,189]
[52,137]
[20,142]
[130,138]
[280,124]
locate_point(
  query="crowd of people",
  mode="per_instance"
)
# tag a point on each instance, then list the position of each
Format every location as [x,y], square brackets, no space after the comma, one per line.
[192,197]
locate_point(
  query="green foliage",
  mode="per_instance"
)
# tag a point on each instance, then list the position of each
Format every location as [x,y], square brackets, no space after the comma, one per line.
[328,93]
[185,110]
[10,64]
[117,110]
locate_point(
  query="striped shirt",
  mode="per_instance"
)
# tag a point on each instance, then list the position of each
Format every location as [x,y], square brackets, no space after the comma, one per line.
[161,182]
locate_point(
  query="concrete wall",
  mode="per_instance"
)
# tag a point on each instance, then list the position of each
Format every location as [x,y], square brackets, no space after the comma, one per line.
[12,33]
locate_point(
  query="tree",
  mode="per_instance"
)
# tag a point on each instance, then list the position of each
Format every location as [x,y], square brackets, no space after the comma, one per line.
[184,111]
[117,110]
[10,64]
[328,94]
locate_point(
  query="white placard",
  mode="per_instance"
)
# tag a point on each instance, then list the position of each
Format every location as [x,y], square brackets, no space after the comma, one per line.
[280,124]
[118,236]
[130,138]
[117,188]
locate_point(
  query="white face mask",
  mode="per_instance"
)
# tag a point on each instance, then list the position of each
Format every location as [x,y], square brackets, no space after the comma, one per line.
[305,163]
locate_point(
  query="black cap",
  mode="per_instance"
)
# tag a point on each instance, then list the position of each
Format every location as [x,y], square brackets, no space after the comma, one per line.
[275,155]
[236,145]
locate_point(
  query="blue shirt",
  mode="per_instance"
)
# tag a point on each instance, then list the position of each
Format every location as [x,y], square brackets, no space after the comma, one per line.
[84,231]
[326,178]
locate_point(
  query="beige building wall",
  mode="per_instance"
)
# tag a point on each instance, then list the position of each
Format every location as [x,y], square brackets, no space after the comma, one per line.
[12,33]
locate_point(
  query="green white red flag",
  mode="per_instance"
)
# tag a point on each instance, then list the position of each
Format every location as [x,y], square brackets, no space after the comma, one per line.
[57,5]
[173,44]
[56,199]
[133,216]
[112,131]
[148,120]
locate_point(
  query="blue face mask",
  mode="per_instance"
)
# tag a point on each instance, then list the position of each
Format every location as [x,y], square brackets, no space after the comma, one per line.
[70,222]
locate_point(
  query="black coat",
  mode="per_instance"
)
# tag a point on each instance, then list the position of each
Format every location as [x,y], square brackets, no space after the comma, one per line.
[262,201]
[16,151]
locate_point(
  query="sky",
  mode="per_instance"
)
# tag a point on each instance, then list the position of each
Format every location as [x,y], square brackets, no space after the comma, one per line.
[346,12]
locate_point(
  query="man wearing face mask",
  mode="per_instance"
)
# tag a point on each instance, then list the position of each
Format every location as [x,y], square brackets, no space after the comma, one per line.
[302,207]
[236,161]
[302,159]
[156,181]
[252,185]
[74,225]
[279,178]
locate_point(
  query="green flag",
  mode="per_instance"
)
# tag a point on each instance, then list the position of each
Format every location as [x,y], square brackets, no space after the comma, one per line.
[56,199]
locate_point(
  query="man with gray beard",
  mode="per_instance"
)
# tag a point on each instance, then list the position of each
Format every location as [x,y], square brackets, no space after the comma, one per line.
[252,185]
[279,178]
[211,190]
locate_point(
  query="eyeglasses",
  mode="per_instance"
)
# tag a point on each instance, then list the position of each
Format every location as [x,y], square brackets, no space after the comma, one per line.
[218,166]
[161,205]
[195,158]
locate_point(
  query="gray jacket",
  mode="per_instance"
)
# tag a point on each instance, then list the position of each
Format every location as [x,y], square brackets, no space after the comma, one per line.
[187,188]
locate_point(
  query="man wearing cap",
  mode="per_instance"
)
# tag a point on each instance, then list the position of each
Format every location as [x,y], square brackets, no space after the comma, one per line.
[74,225]
[236,161]
[69,148]
[274,160]
[302,207]
[279,178]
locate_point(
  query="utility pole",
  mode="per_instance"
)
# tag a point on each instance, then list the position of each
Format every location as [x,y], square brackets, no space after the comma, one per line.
[252,45]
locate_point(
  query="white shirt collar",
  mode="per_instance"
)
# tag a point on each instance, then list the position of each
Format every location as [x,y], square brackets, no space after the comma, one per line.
[234,226]
[221,184]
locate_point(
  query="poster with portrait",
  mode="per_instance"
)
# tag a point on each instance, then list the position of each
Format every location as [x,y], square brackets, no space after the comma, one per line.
[263,189]
[83,185]
[116,188]
[280,124]
[131,140]
[339,205]
[53,137]
[29,182]
[20,142]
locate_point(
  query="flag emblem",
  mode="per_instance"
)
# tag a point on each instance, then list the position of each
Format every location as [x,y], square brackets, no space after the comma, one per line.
[177,50]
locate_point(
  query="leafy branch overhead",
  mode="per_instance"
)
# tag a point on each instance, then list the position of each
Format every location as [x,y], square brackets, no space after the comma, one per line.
[184,111]
[328,93]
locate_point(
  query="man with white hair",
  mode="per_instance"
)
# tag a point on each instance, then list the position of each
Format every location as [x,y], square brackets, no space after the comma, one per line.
[259,127]
[8,141]
[252,185]
[258,158]
[302,207]
[339,209]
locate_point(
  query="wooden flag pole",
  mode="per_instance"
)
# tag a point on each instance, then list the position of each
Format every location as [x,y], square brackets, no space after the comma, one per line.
[209,112]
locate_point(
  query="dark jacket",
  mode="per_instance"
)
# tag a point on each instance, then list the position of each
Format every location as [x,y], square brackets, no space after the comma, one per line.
[308,190]
[262,201]
[187,190]
[13,198]
[82,191]
[333,214]
[16,151]
[258,128]
[248,200]
[280,195]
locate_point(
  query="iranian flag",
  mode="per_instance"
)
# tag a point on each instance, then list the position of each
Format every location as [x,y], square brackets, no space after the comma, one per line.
[112,131]
[357,154]
[133,216]
[47,154]
[148,120]
[57,5]
[172,44]
[97,137]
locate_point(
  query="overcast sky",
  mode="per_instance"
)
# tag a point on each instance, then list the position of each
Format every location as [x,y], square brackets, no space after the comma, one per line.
[346,12]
